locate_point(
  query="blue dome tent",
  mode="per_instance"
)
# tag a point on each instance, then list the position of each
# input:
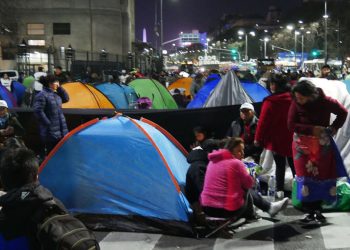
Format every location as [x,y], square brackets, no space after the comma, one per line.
[120,95]
[255,90]
[8,97]
[203,94]
[18,90]
[121,174]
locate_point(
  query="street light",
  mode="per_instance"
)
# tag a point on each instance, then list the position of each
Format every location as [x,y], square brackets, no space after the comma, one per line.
[266,39]
[290,27]
[241,33]
[325,16]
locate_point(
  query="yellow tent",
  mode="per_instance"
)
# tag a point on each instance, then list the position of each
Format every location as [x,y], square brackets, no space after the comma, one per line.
[183,84]
[84,96]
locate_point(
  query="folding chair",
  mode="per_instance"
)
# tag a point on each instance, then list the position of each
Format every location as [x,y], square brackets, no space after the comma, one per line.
[227,221]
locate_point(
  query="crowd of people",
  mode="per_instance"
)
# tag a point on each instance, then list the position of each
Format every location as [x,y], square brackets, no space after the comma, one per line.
[294,124]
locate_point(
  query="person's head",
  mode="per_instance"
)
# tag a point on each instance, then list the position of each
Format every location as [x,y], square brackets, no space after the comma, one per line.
[325,70]
[18,167]
[177,92]
[247,112]
[279,83]
[58,70]
[3,108]
[200,134]
[49,81]
[40,68]
[235,145]
[305,92]
[5,76]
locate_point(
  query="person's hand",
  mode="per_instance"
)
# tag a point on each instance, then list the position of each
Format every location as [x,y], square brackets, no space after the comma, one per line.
[318,130]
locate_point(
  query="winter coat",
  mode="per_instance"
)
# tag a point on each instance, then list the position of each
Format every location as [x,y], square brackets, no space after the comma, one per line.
[48,110]
[198,159]
[272,131]
[226,181]
[19,208]
[303,118]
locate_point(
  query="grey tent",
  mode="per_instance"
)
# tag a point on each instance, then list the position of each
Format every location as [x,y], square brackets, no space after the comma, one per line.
[228,92]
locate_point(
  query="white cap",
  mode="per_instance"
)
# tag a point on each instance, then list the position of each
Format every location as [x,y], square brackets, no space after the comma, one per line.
[123,71]
[247,105]
[3,104]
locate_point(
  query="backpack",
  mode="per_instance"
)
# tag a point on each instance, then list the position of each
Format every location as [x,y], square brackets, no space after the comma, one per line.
[60,230]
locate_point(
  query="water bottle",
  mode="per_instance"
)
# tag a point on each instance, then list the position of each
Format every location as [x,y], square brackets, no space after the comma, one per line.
[271,189]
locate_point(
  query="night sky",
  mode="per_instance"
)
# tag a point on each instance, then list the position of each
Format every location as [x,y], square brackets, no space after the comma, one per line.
[185,15]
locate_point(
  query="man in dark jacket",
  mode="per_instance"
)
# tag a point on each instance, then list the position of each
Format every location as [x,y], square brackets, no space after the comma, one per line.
[48,110]
[245,127]
[60,76]
[23,198]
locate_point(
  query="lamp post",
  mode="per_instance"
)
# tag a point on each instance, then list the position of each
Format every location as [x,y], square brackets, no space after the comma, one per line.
[296,33]
[241,33]
[266,39]
[22,55]
[325,16]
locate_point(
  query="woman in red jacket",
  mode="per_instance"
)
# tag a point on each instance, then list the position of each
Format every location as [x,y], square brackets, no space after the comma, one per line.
[272,132]
[314,154]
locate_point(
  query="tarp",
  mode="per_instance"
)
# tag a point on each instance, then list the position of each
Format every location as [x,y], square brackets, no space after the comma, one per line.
[17,89]
[7,96]
[182,83]
[156,92]
[122,96]
[256,91]
[203,94]
[228,92]
[85,96]
[119,167]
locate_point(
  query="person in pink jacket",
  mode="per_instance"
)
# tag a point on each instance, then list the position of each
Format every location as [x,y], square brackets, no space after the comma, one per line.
[227,184]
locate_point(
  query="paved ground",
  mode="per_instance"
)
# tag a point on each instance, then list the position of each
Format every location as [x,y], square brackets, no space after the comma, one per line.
[283,232]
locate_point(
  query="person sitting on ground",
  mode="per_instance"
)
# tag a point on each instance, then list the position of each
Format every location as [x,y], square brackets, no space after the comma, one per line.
[26,205]
[9,124]
[227,182]
[245,128]
[198,158]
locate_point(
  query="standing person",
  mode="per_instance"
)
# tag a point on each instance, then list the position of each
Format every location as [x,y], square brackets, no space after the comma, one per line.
[60,76]
[245,128]
[326,72]
[6,82]
[48,110]
[39,73]
[314,157]
[272,131]
[197,84]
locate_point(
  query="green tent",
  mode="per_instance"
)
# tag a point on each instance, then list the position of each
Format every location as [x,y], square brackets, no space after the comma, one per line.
[160,96]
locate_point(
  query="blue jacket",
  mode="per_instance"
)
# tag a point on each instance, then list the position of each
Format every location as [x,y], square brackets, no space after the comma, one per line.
[48,109]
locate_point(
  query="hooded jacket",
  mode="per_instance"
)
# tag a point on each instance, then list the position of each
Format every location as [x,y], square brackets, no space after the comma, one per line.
[226,181]
[272,131]
[303,118]
[195,175]
[19,210]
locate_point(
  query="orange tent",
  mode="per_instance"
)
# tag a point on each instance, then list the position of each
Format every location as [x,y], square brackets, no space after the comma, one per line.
[182,84]
[84,96]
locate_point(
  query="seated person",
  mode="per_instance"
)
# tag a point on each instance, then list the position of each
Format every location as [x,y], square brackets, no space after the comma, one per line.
[9,124]
[227,183]
[245,127]
[198,158]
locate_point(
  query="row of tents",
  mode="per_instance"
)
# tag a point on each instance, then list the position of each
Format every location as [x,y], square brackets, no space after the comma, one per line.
[215,92]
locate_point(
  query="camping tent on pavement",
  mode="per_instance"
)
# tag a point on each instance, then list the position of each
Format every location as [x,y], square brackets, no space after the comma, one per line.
[17,89]
[182,84]
[122,96]
[201,97]
[156,92]
[121,174]
[84,96]
[8,97]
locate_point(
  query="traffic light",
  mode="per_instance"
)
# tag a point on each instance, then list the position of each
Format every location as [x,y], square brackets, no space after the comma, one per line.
[235,54]
[315,53]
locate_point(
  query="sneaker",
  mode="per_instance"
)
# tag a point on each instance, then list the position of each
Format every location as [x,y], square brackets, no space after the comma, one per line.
[308,218]
[277,206]
[279,195]
[319,217]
